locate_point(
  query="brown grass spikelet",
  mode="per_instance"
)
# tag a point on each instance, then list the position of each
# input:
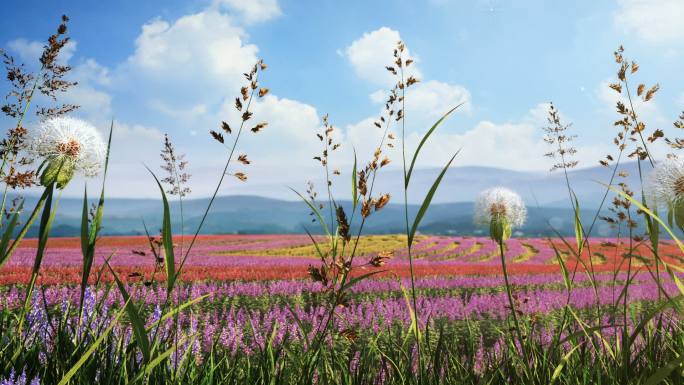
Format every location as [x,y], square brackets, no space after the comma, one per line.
[363,187]
[616,86]
[217,136]
[342,224]
[651,92]
[226,128]
[365,208]
[640,89]
[263,92]
[238,104]
[381,258]
[382,201]
[19,180]
[618,54]
[318,274]
[259,127]
[241,176]
[655,135]
[244,91]
[622,72]
[349,334]
[246,115]
[243,159]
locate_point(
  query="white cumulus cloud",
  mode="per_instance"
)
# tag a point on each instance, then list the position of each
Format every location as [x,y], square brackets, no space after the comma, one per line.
[372,52]
[199,52]
[252,11]
[655,21]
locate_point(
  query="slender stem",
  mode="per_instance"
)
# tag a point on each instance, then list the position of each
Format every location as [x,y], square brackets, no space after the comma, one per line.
[345,275]
[511,302]
[406,217]
[218,185]
[627,282]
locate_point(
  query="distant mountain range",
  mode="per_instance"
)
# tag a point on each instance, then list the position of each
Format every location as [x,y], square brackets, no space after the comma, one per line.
[451,213]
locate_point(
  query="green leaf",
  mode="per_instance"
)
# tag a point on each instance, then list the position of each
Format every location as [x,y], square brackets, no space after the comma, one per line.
[564,268]
[89,237]
[74,369]
[356,280]
[422,142]
[561,365]
[43,235]
[167,239]
[412,313]
[160,358]
[313,241]
[428,198]
[134,316]
[665,371]
[315,211]
[300,325]
[178,309]
[9,231]
[579,232]
[674,302]
[84,224]
[32,218]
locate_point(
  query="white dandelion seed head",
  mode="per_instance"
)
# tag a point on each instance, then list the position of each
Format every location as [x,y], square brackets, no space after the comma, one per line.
[74,138]
[665,183]
[500,201]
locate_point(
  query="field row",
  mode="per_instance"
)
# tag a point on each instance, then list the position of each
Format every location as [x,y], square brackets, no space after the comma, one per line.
[271,257]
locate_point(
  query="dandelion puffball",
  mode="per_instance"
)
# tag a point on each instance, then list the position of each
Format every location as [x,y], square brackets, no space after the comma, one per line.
[501,209]
[67,145]
[665,186]
[666,182]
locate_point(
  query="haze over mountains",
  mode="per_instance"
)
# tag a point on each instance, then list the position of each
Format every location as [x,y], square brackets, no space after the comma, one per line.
[451,213]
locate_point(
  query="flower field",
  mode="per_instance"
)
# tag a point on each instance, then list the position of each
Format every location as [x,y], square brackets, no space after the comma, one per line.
[258,292]
[227,258]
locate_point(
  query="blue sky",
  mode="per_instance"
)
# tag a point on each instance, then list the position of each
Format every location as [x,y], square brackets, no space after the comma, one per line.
[174,67]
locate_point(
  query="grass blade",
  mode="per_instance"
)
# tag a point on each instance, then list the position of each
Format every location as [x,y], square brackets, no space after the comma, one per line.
[7,235]
[428,198]
[355,280]
[425,138]
[89,236]
[665,371]
[564,361]
[74,369]
[32,218]
[167,239]
[134,315]
[315,211]
[178,309]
